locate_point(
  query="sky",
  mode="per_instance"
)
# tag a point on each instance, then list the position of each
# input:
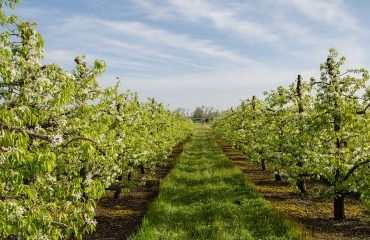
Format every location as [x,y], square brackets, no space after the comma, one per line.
[188,53]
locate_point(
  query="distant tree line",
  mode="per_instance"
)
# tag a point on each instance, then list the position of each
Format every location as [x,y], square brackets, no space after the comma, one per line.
[203,112]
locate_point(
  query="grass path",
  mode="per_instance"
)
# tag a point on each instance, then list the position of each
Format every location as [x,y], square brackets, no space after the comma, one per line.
[206,197]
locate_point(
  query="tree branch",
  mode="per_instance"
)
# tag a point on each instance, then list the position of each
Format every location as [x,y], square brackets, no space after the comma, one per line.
[364,110]
[355,167]
[28,132]
[320,82]
[3,197]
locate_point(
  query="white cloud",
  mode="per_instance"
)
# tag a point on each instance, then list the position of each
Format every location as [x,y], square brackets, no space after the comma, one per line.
[155,35]
[222,18]
[66,58]
[29,13]
[145,53]
[154,10]
[185,42]
[331,12]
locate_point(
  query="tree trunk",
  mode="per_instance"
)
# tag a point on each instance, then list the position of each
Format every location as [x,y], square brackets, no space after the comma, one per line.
[142,170]
[263,165]
[301,185]
[339,207]
[118,191]
[300,181]
[277,176]
[83,174]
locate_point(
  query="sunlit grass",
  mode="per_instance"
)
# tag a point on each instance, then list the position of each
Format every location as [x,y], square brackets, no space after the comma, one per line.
[206,197]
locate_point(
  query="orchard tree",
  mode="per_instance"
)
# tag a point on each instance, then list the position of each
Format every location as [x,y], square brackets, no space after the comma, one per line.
[278,123]
[259,131]
[246,128]
[299,142]
[225,128]
[343,122]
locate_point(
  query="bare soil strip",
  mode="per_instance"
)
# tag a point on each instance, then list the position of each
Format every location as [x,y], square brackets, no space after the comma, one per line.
[313,214]
[120,218]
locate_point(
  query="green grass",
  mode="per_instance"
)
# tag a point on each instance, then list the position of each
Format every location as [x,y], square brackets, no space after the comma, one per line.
[206,197]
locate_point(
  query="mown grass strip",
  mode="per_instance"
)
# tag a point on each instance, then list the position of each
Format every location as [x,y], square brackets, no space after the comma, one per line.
[206,197]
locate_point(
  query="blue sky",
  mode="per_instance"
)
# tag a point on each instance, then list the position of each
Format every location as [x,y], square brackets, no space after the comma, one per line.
[188,53]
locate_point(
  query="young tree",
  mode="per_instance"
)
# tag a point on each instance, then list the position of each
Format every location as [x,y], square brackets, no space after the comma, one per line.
[299,144]
[278,123]
[344,148]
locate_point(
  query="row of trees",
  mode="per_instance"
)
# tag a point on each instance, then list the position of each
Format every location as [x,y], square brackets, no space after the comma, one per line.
[64,140]
[310,130]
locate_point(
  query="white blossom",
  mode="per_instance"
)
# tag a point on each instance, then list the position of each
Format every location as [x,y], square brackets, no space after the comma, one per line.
[12,203]
[67,204]
[19,211]
[57,139]
[44,80]
[88,178]
[22,108]
[69,75]
[90,221]
[77,195]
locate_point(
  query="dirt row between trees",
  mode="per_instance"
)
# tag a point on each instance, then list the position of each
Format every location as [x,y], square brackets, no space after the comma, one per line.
[121,218]
[312,213]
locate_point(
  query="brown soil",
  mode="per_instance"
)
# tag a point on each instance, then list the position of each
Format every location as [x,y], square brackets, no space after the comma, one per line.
[313,214]
[120,218]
